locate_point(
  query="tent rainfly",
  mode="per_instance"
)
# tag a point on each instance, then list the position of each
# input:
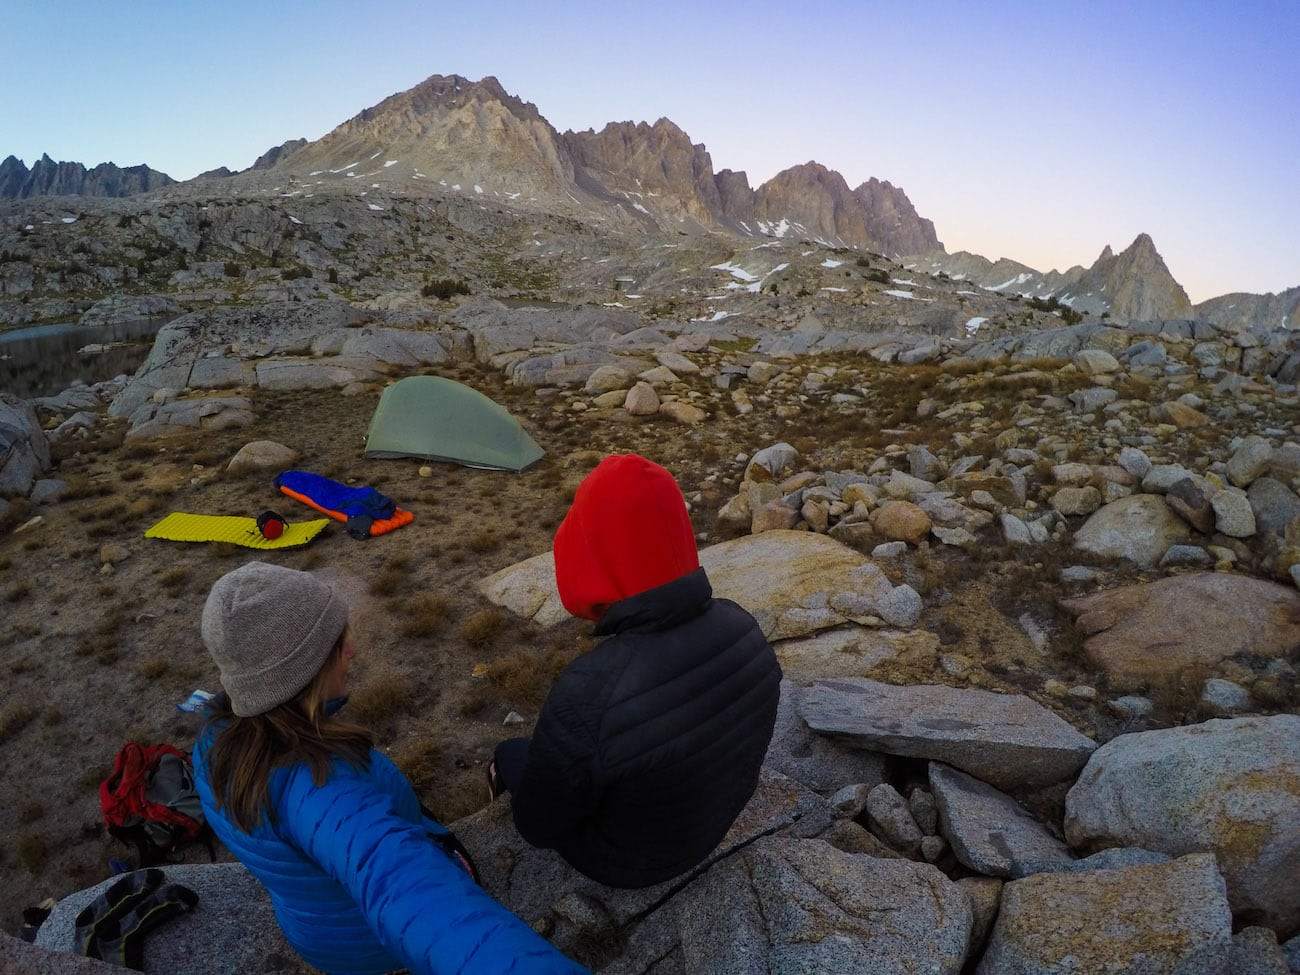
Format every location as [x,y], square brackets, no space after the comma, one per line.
[440,419]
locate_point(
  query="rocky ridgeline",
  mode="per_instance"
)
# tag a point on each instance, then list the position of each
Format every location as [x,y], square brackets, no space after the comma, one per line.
[937,821]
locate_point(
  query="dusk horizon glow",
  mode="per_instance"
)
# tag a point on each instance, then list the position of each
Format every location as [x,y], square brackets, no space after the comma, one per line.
[1039,133]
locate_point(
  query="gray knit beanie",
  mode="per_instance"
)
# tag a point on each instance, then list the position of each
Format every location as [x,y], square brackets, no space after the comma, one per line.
[270,630]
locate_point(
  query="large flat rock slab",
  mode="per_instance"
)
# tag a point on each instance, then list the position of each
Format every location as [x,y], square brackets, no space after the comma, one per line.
[1007,740]
[232,930]
[1152,631]
[794,583]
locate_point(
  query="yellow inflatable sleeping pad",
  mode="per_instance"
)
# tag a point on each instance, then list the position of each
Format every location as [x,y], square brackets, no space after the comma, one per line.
[182,527]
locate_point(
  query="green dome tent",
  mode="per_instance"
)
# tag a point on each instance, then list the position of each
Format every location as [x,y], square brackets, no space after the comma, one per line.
[440,419]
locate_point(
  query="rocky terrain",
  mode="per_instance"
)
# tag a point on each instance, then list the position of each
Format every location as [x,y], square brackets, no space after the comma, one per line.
[1030,564]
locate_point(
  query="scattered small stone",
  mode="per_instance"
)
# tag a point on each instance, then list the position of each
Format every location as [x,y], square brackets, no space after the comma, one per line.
[1078,573]
[1131,706]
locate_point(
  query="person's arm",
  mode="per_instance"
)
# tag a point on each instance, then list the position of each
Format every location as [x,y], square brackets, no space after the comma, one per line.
[562,783]
[423,907]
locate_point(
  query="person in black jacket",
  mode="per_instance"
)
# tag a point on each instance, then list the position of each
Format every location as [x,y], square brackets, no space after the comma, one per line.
[648,746]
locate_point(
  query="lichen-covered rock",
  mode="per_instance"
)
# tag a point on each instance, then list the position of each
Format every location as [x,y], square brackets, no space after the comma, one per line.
[804,906]
[1164,919]
[1229,787]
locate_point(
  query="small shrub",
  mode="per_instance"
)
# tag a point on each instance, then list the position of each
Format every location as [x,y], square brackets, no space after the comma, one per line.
[15,719]
[108,655]
[175,579]
[31,851]
[18,592]
[418,761]
[232,269]
[30,812]
[88,781]
[388,580]
[425,615]
[379,700]
[474,703]
[525,676]
[481,628]
[483,542]
[445,288]
[154,667]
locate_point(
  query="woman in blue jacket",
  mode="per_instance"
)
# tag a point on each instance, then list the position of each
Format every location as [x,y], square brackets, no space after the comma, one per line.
[361,881]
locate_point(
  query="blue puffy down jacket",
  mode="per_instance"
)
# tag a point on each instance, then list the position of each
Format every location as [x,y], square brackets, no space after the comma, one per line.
[360,888]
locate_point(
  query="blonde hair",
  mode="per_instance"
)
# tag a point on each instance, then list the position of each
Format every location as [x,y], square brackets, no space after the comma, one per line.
[246,750]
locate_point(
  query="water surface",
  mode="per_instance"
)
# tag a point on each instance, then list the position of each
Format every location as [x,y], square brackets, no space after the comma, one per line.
[47,359]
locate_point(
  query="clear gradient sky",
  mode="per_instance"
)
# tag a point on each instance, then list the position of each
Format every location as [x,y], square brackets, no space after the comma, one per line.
[1036,131]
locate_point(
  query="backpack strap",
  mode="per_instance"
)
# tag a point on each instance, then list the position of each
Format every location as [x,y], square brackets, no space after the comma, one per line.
[119,940]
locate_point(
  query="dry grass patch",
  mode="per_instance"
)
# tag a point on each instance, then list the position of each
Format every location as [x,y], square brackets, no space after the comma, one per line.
[175,580]
[480,543]
[423,616]
[88,781]
[525,675]
[14,719]
[81,486]
[30,813]
[32,850]
[418,761]
[378,701]
[483,627]
[391,576]
[154,667]
[1178,697]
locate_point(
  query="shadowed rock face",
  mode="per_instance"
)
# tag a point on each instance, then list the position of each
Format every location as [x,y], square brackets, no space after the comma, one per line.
[50,178]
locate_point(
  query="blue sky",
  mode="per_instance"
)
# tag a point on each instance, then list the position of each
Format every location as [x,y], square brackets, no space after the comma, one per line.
[1036,131]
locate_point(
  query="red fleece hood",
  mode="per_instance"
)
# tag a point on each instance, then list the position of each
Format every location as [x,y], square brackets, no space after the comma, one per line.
[628,531]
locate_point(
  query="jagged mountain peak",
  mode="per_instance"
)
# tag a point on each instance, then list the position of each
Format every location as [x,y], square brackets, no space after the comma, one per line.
[50,178]
[1135,284]
[446,130]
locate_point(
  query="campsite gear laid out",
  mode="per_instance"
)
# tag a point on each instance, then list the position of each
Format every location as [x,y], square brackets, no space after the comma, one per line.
[182,527]
[270,524]
[149,802]
[113,926]
[363,510]
[433,418]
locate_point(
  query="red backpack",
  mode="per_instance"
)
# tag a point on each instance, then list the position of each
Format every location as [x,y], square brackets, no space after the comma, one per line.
[150,801]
